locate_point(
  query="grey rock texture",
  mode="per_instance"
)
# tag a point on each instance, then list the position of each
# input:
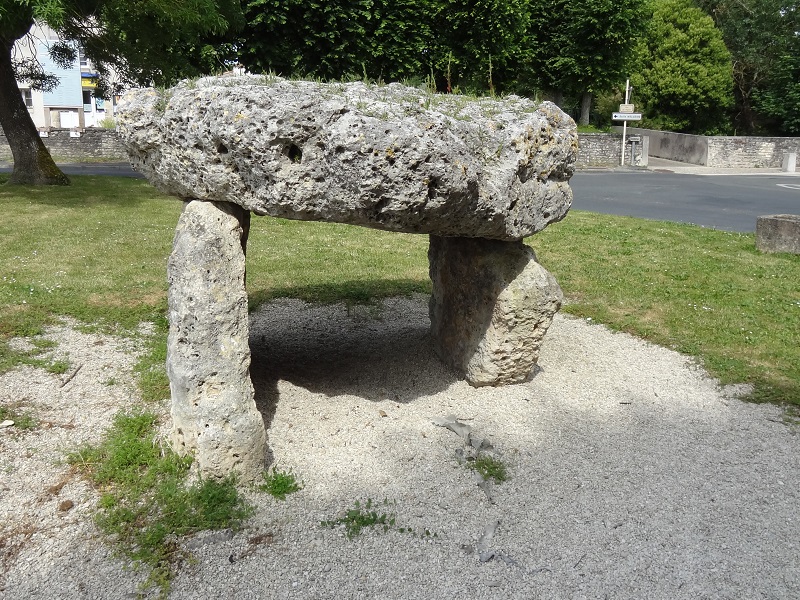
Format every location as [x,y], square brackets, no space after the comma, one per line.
[490,308]
[778,233]
[214,415]
[389,157]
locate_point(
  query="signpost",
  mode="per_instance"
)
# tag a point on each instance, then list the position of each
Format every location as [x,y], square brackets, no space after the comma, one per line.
[625,114]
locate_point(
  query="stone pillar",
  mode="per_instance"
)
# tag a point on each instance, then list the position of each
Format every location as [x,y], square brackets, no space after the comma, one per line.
[214,415]
[491,306]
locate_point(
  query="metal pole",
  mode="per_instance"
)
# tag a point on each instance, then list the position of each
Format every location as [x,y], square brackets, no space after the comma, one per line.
[624,125]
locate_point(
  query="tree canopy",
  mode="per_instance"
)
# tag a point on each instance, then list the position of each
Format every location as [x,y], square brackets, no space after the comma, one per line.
[142,42]
[578,48]
[384,39]
[761,36]
[684,80]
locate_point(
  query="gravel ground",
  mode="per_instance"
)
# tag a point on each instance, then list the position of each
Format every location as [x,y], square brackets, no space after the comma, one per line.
[632,473]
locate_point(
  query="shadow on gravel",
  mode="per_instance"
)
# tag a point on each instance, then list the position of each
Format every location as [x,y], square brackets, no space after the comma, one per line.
[377,353]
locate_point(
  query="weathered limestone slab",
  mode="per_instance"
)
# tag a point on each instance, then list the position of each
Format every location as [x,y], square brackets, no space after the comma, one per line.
[778,233]
[491,306]
[390,157]
[214,413]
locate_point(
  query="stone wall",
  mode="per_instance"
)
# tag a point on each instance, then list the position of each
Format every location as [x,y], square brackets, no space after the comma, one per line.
[719,151]
[595,149]
[740,151]
[598,150]
[93,144]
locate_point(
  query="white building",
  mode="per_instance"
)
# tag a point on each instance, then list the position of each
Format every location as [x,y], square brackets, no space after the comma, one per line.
[72,104]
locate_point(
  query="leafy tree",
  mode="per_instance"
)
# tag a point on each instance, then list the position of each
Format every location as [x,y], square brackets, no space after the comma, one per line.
[780,98]
[684,79]
[579,48]
[459,41]
[143,42]
[759,35]
[479,42]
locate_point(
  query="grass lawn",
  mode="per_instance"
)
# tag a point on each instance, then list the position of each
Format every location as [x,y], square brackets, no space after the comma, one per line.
[97,251]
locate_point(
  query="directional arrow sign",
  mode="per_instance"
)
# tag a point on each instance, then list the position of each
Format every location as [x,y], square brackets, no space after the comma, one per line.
[626,116]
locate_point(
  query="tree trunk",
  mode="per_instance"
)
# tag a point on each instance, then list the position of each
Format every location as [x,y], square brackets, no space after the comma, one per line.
[33,164]
[586,107]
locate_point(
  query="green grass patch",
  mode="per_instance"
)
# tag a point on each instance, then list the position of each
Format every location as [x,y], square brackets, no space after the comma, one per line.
[95,250]
[703,292]
[489,467]
[58,367]
[146,501]
[280,484]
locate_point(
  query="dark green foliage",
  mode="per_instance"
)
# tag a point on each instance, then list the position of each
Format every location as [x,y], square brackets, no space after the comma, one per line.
[762,38]
[576,47]
[455,41]
[779,98]
[683,81]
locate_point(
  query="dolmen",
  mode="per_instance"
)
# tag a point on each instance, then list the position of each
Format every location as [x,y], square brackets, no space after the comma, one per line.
[477,175]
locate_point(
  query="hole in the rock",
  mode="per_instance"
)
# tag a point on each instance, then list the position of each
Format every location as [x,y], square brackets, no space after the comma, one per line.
[222,148]
[432,186]
[293,153]
[339,149]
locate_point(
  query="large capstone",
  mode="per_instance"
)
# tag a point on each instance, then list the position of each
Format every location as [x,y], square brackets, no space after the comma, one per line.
[214,414]
[390,157]
[490,308]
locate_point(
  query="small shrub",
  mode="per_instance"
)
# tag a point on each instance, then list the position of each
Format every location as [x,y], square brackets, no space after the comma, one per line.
[108,123]
[280,484]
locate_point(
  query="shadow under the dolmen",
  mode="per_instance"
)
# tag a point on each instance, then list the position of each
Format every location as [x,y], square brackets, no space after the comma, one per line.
[381,352]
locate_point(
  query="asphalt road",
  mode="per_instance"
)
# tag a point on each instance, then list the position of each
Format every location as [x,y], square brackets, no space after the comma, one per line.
[727,202]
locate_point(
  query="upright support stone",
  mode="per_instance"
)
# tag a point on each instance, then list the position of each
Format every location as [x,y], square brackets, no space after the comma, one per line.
[491,306]
[214,415]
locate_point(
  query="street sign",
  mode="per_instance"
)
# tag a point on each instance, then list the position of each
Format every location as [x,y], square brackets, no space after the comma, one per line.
[626,116]
[626,108]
